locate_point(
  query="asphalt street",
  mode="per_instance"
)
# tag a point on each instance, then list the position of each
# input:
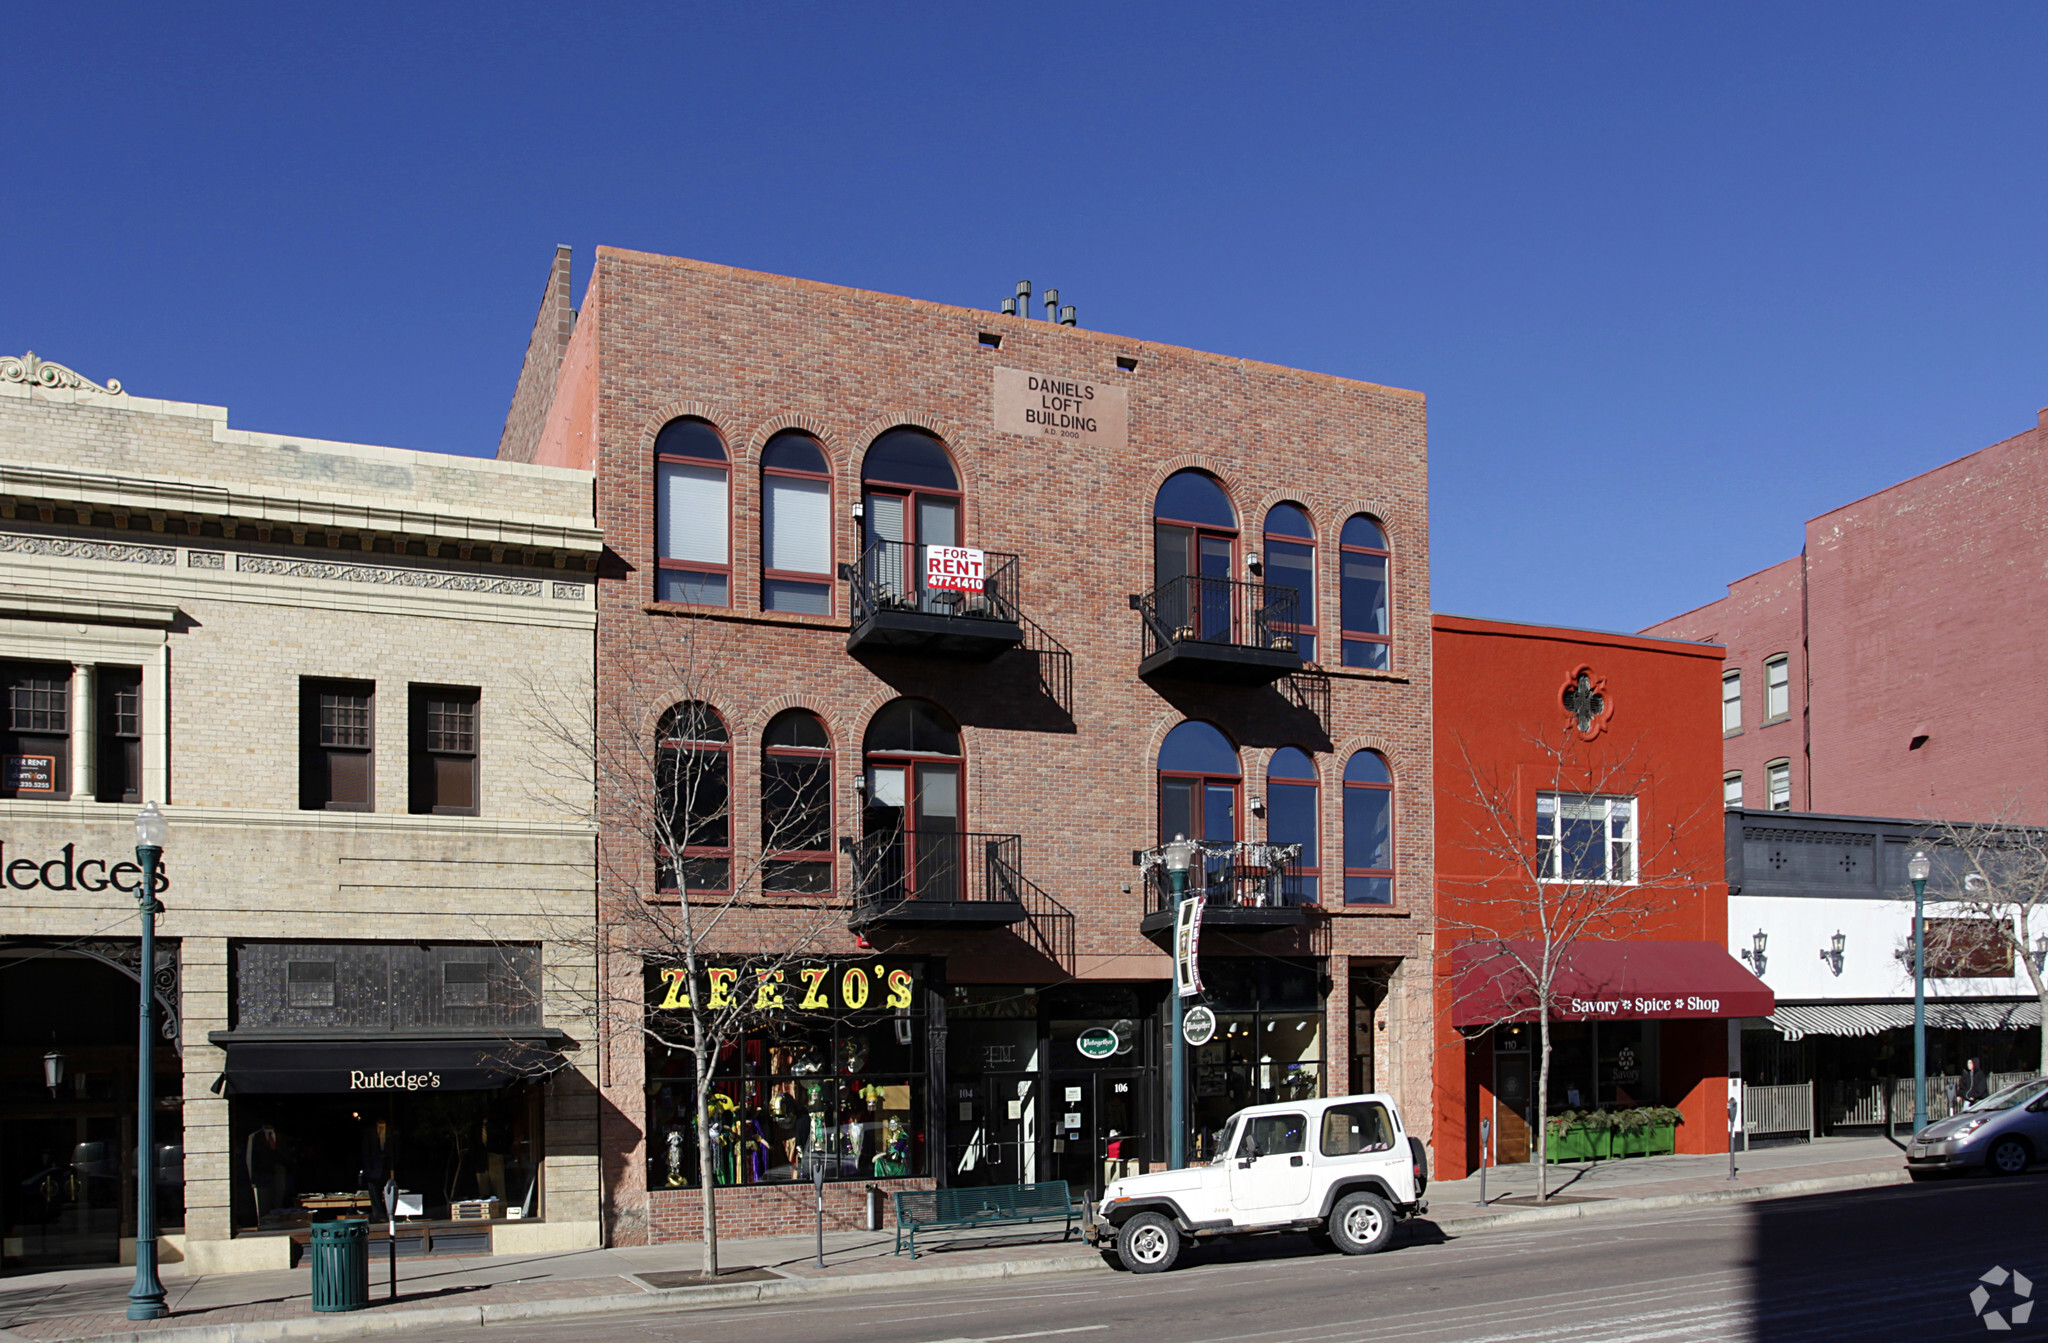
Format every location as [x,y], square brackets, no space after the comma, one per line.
[1895,1263]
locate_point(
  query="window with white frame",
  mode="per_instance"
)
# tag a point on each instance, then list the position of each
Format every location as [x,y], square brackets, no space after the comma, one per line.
[1582,837]
[1777,687]
[1731,789]
[1731,702]
[1778,785]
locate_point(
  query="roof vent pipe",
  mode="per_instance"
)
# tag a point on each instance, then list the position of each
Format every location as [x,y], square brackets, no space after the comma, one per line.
[1067,316]
[1052,304]
[1024,299]
[1009,308]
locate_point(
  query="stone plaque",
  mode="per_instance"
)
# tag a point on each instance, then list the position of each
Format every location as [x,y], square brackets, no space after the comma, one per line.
[1044,403]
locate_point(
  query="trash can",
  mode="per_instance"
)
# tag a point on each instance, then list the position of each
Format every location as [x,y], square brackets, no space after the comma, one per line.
[341,1264]
[874,1209]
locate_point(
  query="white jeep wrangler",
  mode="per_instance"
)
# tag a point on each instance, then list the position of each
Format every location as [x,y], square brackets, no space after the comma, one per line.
[1343,1169]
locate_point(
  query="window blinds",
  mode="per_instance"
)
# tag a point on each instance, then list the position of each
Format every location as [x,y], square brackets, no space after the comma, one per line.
[799,525]
[692,525]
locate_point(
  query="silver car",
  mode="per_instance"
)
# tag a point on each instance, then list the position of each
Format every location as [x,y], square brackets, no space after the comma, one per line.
[2004,1133]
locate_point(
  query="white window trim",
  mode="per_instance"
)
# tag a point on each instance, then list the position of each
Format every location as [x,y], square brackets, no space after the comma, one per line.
[1733,776]
[1733,678]
[1782,662]
[1555,858]
[1772,768]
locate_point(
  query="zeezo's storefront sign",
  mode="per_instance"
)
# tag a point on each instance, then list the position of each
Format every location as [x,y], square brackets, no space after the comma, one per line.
[68,872]
[861,986]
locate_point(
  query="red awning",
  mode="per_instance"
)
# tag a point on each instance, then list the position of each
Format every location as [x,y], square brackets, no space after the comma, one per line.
[1604,981]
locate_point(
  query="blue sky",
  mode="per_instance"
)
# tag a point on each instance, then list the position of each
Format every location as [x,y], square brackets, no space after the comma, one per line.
[1674,278]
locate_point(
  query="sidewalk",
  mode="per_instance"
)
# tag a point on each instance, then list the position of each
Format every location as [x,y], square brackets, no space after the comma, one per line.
[91,1303]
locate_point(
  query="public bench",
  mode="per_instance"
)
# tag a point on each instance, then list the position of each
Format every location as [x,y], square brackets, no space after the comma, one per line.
[977,1209]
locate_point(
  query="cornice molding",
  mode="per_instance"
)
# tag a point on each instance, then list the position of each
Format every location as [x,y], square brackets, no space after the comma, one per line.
[34,372]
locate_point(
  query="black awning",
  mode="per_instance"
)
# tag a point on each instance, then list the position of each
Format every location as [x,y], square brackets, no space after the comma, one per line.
[280,1067]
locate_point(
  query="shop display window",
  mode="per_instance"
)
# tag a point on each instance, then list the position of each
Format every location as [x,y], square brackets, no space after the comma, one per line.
[848,1090]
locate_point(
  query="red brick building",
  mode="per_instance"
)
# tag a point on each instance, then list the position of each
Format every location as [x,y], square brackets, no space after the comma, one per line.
[1895,666]
[1582,765]
[1010,602]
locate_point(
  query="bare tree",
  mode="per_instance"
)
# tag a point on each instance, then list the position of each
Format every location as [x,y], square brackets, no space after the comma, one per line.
[1587,865]
[1990,885]
[679,863]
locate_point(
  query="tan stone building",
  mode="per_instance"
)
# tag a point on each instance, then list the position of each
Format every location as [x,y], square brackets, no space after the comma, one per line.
[357,681]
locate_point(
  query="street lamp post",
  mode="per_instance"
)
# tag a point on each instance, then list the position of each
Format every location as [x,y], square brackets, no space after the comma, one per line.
[146,1297]
[1179,856]
[1917,868]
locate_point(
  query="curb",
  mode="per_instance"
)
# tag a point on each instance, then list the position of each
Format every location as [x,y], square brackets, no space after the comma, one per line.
[371,1325]
[1826,1184]
[675,1299]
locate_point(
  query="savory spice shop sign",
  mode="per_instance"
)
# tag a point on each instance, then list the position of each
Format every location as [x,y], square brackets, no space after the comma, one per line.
[1041,403]
[66,871]
[861,986]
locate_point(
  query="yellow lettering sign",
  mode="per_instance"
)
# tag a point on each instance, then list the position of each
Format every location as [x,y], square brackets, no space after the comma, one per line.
[814,989]
[853,988]
[721,986]
[769,994]
[899,988]
[678,988]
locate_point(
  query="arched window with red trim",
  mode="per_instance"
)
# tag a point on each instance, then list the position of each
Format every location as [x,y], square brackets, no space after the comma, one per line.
[693,794]
[1291,564]
[1368,830]
[1201,793]
[796,804]
[915,784]
[796,525]
[910,500]
[1194,552]
[1368,633]
[1293,810]
[692,515]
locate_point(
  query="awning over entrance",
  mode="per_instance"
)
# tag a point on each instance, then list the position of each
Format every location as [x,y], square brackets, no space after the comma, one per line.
[1796,1021]
[1604,981]
[382,1066]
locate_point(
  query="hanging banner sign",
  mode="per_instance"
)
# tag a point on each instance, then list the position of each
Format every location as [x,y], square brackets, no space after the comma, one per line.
[859,986]
[1187,939]
[955,569]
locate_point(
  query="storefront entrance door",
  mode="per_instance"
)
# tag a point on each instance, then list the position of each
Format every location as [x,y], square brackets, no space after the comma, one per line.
[1097,1128]
[996,1130]
[64,1189]
[1512,1091]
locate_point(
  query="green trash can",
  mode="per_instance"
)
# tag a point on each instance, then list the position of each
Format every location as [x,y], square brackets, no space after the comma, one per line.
[341,1264]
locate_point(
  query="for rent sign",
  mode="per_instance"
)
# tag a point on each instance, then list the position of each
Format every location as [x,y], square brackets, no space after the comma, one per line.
[1043,404]
[955,569]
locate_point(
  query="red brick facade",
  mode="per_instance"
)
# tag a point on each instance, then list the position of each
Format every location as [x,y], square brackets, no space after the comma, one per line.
[1911,619]
[1498,687]
[660,337]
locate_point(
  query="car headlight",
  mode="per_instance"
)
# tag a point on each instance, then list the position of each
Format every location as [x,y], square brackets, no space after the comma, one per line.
[1964,1133]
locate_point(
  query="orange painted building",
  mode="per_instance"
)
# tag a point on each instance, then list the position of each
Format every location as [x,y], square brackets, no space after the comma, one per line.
[1579,771]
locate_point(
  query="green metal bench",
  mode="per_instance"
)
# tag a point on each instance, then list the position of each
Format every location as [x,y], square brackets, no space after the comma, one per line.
[974,1209]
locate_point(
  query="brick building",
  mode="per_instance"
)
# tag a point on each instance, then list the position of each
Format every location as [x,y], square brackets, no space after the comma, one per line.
[995,606]
[1894,668]
[326,662]
[1576,772]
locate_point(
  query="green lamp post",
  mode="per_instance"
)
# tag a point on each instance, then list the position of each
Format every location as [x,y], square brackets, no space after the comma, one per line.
[1917,868]
[1178,856]
[146,1297]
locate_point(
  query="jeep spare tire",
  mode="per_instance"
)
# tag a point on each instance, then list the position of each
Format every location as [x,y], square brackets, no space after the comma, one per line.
[1362,1223]
[1148,1243]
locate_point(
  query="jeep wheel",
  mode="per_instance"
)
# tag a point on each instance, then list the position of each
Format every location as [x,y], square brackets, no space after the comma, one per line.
[1361,1223]
[1148,1243]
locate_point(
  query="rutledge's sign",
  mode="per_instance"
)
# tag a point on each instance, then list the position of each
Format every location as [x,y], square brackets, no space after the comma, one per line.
[1043,404]
[402,1080]
[955,569]
[68,872]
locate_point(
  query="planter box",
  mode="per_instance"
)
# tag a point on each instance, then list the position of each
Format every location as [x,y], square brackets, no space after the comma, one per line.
[1658,1140]
[1580,1144]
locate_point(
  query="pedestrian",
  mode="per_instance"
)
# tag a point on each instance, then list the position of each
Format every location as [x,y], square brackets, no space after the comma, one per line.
[1976,1086]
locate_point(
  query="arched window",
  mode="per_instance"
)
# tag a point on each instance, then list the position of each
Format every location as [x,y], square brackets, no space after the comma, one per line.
[796,525]
[912,820]
[1194,546]
[693,513]
[1368,830]
[1292,813]
[693,791]
[1368,638]
[1291,563]
[796,804]
[1200,790]
[910,500]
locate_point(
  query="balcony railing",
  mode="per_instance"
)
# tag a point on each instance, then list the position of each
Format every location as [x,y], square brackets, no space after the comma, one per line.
[906,599]
[1218,629]
[1244,884]
[913,878]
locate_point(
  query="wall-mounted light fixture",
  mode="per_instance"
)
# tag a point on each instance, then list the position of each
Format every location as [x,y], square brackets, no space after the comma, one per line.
[1832,953]
[2041,952]
[1754,953]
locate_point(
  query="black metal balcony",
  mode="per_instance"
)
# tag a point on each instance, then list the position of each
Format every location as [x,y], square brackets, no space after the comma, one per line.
[1221,630]
[1246,886]
[959,879]
[901,606]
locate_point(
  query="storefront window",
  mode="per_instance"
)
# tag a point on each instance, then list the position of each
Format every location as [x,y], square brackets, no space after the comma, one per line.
[1268,1044]
[834,1083]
